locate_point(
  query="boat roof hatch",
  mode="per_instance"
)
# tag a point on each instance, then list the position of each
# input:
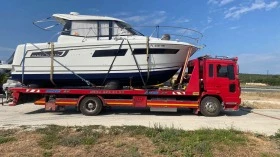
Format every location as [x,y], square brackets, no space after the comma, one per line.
[74,16]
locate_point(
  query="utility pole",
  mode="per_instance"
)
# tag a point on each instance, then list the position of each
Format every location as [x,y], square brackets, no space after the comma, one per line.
[267,71]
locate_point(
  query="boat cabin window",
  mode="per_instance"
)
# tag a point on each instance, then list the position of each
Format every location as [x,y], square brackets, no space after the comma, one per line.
[103,28]
[121,28]
[98,29]
[67,28]
[84,28]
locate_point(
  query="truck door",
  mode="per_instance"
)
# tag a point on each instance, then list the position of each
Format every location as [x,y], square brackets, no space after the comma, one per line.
[226,81]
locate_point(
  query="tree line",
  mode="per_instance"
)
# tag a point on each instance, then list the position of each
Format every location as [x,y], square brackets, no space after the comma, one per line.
[272,80]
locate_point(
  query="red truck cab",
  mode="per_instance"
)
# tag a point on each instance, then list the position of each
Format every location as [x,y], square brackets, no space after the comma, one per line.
[218,81]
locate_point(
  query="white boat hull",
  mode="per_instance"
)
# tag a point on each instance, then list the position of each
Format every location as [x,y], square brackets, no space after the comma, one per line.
[92,62]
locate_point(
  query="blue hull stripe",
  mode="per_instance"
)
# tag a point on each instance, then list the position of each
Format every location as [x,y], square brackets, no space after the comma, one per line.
[70,79]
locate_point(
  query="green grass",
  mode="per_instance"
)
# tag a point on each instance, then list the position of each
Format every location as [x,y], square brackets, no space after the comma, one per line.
[119,144]
[47,154]
[6,139]
[171,140]
[199,142]
[67,136]
[133,152]
[277,135]
[167,141]
[50,136]
[276,138]
[8,132]
[7,136]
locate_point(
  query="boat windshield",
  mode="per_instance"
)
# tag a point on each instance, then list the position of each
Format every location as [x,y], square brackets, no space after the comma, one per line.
[128,28]
[98,29]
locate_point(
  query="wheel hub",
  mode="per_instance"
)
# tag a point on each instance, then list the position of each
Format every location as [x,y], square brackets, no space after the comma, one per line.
[211,107]
[91,106]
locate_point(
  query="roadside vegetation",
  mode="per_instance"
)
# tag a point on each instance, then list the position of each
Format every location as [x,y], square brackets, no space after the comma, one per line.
[271,80]
[260,100]
[134,141]
[3,78]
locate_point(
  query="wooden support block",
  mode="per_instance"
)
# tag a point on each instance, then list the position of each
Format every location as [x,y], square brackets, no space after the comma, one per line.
[51,106]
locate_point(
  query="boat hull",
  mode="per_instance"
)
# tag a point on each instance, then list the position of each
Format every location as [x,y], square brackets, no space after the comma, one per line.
[62,80]
[98,64]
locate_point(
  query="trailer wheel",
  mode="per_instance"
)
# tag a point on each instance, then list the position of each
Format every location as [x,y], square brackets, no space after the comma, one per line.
[91,106]
[210,106]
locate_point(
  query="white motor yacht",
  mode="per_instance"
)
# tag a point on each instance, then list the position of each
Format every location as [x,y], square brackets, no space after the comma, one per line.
[97,50]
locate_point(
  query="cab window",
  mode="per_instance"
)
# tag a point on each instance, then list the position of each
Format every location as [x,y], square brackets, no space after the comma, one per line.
[225,71]
[230,69]
[221,71]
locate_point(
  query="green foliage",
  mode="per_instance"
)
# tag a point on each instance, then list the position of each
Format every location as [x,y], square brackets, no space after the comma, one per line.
[6,139]
[133,152]
[166,141]
[3,78]
[276,137]
[8,132]
[47,154]
[277,134]
[272,80]
[50,129]
[170,141]
[199,142]
[67,136]
[51,136]
[7,136]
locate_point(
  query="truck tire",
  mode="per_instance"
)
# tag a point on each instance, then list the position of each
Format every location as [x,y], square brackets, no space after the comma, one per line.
[210,106]
[91,106]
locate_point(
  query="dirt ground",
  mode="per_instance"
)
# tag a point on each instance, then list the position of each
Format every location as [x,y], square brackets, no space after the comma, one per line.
[261,100]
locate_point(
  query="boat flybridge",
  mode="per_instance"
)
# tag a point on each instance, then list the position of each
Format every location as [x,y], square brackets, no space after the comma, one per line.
[99,51]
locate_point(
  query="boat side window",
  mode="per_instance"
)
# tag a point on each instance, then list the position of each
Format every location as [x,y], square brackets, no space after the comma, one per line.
[120,29]
[84,28]
[123,29]
[104,28]
[67,28]
[100,29]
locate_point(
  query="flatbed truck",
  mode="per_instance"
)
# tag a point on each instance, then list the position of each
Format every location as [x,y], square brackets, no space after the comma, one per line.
[210,85]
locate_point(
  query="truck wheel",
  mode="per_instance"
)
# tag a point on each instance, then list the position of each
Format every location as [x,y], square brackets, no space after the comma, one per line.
[210,106]
[91,106]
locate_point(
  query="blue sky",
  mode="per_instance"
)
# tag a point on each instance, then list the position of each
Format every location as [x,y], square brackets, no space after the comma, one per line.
[248,29]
